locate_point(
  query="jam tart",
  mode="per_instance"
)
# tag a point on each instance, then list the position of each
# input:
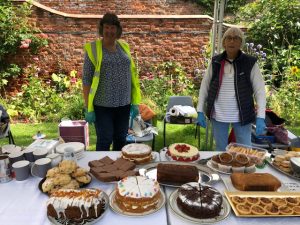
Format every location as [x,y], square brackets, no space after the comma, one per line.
[257,210]
[292,201]
[272,209]
[243,209]
[285,210]
[265,201]
[296,210]
[279,201]
[238,200]
[252,200]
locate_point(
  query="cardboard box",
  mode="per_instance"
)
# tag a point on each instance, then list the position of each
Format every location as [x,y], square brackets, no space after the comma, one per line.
[44,144]
[74,131]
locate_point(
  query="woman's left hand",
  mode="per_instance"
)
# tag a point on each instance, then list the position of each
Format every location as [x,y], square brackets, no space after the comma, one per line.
[134,111]
[260,126]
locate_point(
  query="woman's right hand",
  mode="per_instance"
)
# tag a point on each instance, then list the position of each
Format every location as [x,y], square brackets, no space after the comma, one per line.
[90,117]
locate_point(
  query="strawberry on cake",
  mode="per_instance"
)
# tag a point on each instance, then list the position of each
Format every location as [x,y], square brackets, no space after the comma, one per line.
[183,152]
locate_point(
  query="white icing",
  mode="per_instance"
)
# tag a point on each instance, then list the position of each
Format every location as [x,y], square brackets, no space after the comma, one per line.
[193,151]
[136,149]
[138,187]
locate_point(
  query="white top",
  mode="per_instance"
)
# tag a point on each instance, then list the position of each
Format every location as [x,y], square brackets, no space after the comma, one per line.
[225,106]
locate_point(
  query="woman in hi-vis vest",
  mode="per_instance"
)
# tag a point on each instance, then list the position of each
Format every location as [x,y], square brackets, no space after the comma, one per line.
[110,85]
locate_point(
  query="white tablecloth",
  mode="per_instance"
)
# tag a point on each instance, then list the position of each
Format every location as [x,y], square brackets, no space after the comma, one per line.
[22,203]
[232,219]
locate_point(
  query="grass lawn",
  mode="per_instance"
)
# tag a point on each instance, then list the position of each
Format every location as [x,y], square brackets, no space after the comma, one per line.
[175,133]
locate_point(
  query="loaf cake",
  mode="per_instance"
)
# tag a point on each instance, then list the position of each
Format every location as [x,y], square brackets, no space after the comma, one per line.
[76,206]
[138,153]
[199,201]
[137,194]
[255,182]
[175,173]
[183,152]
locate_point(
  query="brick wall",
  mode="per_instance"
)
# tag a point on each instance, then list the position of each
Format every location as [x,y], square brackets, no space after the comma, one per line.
[126,7]
[153,38]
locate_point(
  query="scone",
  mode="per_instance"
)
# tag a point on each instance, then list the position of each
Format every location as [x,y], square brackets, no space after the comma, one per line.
[84,179]
[62,179]
[72,185]
[52,172]
[67,166]
[79,172]
[48,185]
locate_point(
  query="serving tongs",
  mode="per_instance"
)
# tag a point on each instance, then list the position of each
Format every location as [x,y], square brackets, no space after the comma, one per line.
[204,161]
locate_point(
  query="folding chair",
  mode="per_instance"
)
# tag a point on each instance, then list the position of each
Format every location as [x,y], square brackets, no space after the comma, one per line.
[179,100]
[6,133]
[4,126]
[146,138]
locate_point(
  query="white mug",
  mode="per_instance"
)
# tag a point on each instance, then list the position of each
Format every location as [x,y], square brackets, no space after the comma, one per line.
[40,153]
[55,159]
[40,167]
[21,169]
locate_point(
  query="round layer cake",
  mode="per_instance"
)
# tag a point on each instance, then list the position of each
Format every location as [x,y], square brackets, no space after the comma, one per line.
[138,153]
[137,194]
[183,152]
[76,205]
[199,201]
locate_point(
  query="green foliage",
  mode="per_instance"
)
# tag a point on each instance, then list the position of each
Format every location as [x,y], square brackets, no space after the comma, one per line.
[286,100]
[44,100]
[12,70]
[231,6]
[272,22]
[16,33]
[165,80]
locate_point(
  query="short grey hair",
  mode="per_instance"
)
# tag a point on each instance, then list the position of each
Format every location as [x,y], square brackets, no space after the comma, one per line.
[234,31]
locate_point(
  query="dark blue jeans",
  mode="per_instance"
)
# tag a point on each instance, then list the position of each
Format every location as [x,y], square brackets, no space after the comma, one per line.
[111,127]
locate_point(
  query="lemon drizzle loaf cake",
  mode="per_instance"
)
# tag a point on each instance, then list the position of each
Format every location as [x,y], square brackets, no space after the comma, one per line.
[76,205]
[199,201]
[138,153]
[137,194]
[183,152]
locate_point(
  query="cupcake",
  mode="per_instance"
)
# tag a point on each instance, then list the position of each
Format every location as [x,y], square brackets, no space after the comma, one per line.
[242,158]
[250,167]
[215,161]
[237,167]
[224,167]
[225,157]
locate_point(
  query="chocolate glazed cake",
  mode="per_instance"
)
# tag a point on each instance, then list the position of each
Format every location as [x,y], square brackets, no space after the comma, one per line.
[199,201]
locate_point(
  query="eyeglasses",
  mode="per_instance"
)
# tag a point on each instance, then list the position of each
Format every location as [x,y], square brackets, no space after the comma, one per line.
[232,38]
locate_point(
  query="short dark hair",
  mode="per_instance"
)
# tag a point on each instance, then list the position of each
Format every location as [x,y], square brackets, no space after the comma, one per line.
[111,19]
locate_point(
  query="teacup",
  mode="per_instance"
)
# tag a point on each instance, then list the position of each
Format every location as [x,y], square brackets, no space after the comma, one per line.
[28,153]
[15,157]
[21,169]
[55,159]
[40,153]
[40,167]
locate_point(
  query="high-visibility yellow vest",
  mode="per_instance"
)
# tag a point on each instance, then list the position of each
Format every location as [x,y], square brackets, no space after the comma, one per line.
[94,51]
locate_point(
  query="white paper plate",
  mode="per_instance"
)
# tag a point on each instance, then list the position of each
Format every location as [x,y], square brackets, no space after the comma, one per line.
[77,146]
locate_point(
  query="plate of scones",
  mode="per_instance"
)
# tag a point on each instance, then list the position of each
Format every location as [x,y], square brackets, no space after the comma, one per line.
[67,175]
